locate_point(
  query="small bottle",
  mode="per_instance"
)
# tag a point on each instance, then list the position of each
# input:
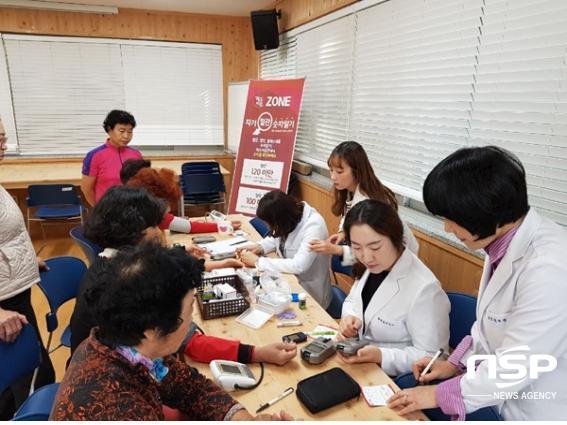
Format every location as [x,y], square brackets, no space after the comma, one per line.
[302,300]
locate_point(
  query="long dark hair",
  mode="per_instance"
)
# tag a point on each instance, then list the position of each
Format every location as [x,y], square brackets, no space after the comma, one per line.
[354,155]
[281,212]
[382,218]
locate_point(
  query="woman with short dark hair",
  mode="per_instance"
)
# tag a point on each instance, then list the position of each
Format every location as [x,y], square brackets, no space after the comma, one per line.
[292,226]
[126,369]
[396,303]
[101,166]
[481,195]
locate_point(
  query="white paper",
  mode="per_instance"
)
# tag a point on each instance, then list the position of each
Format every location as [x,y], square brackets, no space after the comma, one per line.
[377,395]
[224,246]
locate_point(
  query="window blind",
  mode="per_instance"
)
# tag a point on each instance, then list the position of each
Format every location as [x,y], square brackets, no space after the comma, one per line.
[520,96]
[62,88]
[324,56]
[281,62]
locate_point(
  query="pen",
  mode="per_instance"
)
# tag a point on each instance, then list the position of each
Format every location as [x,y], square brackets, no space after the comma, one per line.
[435,357]
[275,400]
[323,333]
[237,243]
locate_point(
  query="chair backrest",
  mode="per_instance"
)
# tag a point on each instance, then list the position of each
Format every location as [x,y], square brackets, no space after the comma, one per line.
[335,309]
[200,167]
[38,405]
[337,267]
[19,358]
[260,226]
[203,184]
[90,249]
[462,316]
[52,194]
[60,284]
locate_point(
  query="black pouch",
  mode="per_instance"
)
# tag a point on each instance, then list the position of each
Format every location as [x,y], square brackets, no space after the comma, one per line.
[327,389]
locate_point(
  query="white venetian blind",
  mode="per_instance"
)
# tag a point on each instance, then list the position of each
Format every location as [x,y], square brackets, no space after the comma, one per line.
[281,62]
[520,99]
[61,92]
[324,56]
[175,92]
[412,83]
[62,88]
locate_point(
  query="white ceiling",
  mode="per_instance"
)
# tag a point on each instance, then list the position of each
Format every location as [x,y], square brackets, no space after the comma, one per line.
[210,7]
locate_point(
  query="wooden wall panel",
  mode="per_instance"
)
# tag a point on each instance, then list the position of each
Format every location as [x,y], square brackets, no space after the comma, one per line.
[455,269]
[240,60]
[298,12]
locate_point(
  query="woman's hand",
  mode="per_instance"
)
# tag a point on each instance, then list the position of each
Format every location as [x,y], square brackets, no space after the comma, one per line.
[413,399]
[230,262]
[350,326]
[253,248]
[441,369]
[324,247]
[337,238]
[248,258]
[11,324]
[277,353]
[367,354]
[195,250]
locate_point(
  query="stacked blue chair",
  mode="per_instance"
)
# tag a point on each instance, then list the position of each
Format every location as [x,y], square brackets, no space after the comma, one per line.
[335,309]
[202,183]
[47,202]
[20,359]
[60,284]
[90,249]
[260,226]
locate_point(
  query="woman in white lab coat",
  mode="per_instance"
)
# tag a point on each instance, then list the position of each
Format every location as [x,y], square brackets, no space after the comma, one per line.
[521,316]
[397,303]
[354,181]
[293,225]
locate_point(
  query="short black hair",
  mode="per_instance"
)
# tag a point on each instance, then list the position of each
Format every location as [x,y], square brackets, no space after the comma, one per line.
[117,116]
[143,288]
[131,167]
[120,217]
[281,212]
[479,188]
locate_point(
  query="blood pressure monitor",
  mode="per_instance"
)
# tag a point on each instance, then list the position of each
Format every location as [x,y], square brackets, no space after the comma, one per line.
[232,375]
[318,351]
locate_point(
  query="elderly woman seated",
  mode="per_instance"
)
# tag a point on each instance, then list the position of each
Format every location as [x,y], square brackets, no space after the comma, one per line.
[126,369]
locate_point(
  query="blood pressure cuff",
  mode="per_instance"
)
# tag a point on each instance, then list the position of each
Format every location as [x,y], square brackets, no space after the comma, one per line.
[327,389]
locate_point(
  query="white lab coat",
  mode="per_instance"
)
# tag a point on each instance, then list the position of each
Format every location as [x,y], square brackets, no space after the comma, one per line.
[408,316]
[524,303]
[349,259]
[312,269]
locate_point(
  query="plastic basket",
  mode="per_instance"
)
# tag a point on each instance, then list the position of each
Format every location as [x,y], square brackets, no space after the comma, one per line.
[215,309]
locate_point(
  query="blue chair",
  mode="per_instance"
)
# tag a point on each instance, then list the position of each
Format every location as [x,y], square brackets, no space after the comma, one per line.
[20,359]
[59,285]
[260,226]
[462,316]
[90,249]
[485,414]
[200,167]
[335,309]
[203,189]
[337,267]
[53,202]
[38,405]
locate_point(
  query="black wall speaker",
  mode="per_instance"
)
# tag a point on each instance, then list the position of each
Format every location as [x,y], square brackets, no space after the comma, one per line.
[265,29]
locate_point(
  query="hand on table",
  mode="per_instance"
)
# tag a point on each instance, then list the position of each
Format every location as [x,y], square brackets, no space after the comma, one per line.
[413,399]
[196,251]
[277,353]
[251,247]
[367,354]
[248,258]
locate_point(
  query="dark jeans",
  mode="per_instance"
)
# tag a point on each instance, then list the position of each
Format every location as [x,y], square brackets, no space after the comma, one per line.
[13,397]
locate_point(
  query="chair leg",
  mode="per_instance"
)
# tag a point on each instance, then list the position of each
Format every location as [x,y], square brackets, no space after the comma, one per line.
[42,230]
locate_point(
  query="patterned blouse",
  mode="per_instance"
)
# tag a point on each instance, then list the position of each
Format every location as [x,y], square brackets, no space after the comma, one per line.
[101,384]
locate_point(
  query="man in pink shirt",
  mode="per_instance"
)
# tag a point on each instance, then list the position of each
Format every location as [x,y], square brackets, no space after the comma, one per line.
[101,166]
